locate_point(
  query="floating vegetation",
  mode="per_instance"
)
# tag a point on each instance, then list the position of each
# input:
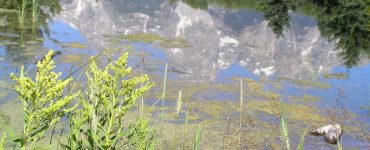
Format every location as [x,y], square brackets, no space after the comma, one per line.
[174,43]
[296,112]
[151,38]
[3,94]
[73,58]
[3,10]
[312,84]
[336,76]
[142,37]
[256,88]
[310,98]
[76,45]
[215,109]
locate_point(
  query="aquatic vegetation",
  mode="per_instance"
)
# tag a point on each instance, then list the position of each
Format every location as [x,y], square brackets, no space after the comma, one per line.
[301,141]
[297,112]
[310,98]
[197,138]
[2,141]
[151,38]
[256,88]
[3,94]
[73,58]
[307,83]
[336,76]
[141,37]
[179,103]
[174,43]
[76,45]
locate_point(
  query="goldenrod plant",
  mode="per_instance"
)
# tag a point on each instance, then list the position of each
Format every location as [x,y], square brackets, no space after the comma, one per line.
[43,100]
[110,94]
[2,141]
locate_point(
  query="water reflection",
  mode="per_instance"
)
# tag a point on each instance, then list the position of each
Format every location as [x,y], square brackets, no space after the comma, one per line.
[23,24]
[344,22]
[216,40]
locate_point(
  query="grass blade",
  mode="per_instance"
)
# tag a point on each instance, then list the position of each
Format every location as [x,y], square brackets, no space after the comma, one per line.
[301,141]
[179,103]
[284,127]
[241,110]
[197,138]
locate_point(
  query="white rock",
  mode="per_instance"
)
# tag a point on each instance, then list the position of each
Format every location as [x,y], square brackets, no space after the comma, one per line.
[331,133]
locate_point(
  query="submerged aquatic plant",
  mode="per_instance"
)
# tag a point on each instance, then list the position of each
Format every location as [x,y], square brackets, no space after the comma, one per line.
[43,100]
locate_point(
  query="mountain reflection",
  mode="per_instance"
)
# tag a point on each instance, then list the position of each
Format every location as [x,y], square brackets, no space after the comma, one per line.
[218,37]
[344,22]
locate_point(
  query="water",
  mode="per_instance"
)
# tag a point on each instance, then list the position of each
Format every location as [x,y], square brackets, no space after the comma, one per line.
[218,46]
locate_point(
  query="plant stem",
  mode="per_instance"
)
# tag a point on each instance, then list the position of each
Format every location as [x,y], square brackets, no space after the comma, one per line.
[241,110]
[163,97]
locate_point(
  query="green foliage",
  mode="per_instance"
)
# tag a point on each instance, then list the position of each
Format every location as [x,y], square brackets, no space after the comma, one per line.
[43,101]
[99,124]
[140,137]
[284,128]
[301,141]
[277,14]
[30,18]
[2,142]
[345,22]
[197,138]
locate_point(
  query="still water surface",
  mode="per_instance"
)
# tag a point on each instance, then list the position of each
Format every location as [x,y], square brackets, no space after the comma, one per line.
[207,50]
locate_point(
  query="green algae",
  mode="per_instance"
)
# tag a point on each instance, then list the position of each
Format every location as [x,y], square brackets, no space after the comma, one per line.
[3,10]
[76,45]
[141,37]
[310,98]
[174,43]
[216,109]
[295,112]
[256,88]
[3,94]
[6,85]
[336,76]
[311,84]
[73,58]
[151,38]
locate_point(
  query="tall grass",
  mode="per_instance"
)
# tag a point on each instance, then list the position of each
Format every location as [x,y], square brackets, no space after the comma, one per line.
[283,126]
[179,103]
[163,97]
[284,129]
[35,11]
[35,15]
[197,138]
[186,128]
[241,111]
[2,142]
[301,141]
[22,8]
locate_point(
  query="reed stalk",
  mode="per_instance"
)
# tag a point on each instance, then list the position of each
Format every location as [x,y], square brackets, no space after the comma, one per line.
[241,111]
[163,97]
[301,141]
[197,138]
[179,103]
[283,126]
[186,128]
[21,16]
